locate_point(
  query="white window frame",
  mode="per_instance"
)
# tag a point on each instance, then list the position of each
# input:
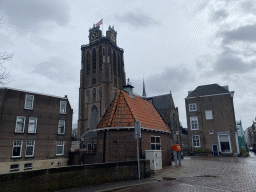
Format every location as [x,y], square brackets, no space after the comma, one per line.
[60,144]
[24,120]
[29,98]
[59,128]
[192,107]
[198,139]
[30,124]
[192,123]
[208,115]
[228,135]
[28,167]
[17,143]
[63,107]
[211,131]
[30,143]
[155,143]
[15,169]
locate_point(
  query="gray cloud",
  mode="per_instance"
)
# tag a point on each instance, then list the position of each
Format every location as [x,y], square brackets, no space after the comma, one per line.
[28,14]
[244,33]
[171,79]
[55,69]
[137,19]
[217,16]
[248,6]
[228,63]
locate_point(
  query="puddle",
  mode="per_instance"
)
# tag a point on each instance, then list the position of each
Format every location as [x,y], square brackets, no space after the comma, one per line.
[169,178]
[207,176]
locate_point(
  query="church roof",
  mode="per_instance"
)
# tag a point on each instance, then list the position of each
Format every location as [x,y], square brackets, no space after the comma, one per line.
[211,89]
[89,134]
[161,101]
[125,110]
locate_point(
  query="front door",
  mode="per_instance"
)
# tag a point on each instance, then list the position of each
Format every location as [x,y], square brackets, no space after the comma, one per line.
[215,150]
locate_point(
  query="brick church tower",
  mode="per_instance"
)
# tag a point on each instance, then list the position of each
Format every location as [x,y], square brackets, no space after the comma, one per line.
[101,76]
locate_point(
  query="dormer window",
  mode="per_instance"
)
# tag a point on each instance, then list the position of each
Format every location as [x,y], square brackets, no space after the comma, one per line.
[63,106]
[29,102]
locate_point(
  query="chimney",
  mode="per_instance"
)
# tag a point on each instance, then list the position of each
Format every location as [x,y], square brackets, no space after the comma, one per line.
[144,91]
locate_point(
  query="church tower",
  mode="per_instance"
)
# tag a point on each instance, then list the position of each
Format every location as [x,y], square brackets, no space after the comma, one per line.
[101,76]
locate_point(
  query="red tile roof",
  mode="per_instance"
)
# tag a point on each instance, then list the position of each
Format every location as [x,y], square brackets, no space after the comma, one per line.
[125,110]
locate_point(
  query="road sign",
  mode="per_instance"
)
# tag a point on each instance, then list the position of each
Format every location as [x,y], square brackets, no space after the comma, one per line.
[137,130]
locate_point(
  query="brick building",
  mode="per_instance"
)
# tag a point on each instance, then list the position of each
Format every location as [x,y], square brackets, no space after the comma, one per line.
[101,76]
[250,136]
[35,130]
[211,120]
[166,108]
[89,141]
[115,131]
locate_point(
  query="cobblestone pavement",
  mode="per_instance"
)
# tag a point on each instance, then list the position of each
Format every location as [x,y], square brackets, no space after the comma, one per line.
[204,174]
[195,174]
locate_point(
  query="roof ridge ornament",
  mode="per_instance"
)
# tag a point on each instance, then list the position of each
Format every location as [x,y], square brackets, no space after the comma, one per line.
[128,82]
[144,90]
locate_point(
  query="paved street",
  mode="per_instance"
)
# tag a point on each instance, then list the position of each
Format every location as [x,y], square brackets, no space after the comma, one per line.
[205,174]
[196,174]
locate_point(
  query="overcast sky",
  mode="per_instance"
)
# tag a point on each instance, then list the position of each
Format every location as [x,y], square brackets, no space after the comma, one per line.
[177,45]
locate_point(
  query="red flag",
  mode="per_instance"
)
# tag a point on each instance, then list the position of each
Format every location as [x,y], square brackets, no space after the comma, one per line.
[99,23]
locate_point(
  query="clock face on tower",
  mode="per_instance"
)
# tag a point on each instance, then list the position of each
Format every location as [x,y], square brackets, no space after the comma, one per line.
[112,37]
[94,36]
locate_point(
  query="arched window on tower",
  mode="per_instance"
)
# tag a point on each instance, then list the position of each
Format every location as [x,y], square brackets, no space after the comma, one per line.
[100,58]
[94,61]
[83,60]
[88,65]
[119,65]
[109,55]
[88,96]
[114,62]
[100,94]
[94,95]
[94,117]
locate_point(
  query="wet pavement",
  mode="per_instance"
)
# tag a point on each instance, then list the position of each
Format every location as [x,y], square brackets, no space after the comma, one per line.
[195,174]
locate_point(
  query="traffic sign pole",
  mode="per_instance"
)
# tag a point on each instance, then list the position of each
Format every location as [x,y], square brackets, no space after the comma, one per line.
[137,134]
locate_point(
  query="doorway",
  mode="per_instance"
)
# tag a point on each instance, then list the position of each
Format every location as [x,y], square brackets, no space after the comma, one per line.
[215,149]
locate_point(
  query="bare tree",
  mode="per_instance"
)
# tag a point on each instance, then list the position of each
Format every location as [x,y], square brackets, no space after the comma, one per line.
[74,132]
[4,73]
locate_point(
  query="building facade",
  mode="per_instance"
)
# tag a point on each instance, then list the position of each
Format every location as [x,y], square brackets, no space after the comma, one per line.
[170,114]
[115,132]
[101,76]
[250,136]
[211,120]
[35,130]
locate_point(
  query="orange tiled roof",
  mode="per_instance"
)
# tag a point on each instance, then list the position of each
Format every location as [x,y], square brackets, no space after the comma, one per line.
[124,110]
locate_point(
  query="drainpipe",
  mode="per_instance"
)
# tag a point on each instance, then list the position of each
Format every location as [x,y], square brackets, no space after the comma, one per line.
[104,146]
[237,143]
